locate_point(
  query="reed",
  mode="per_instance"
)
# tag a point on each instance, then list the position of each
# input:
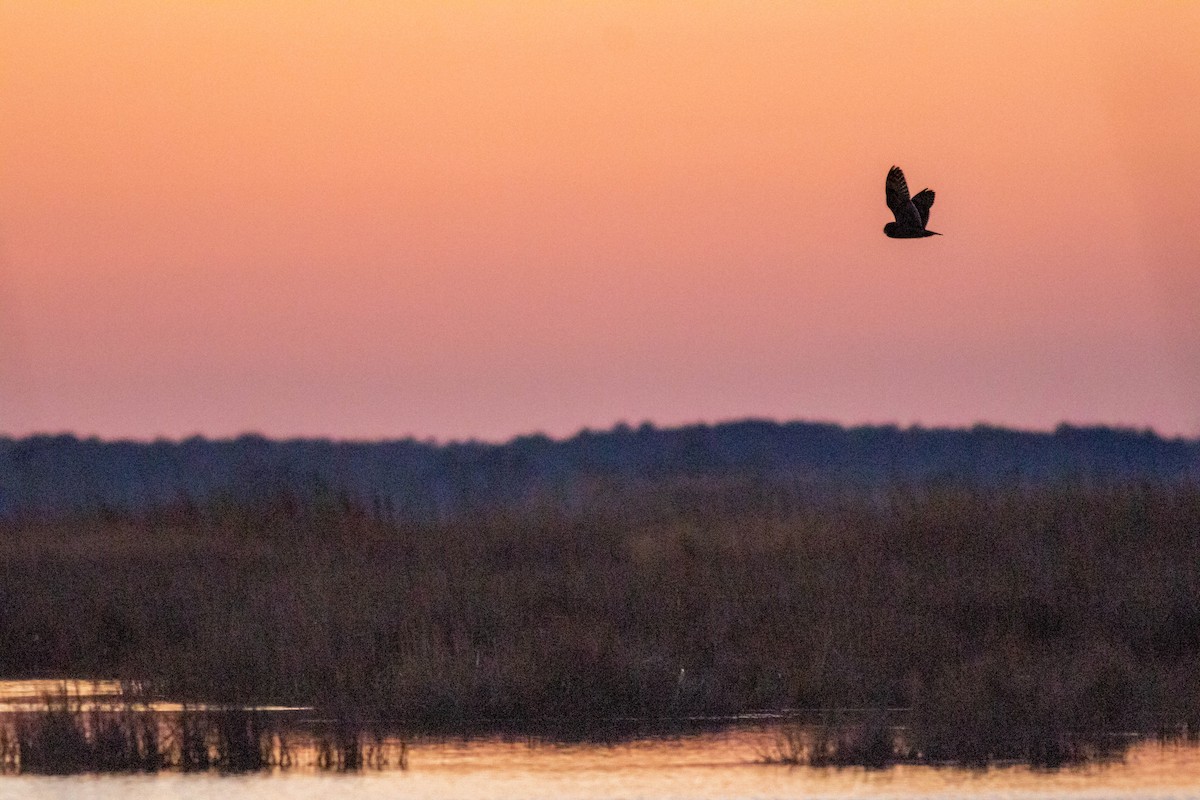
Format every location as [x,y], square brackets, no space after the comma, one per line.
[1038,615]
[868,739]
[64,738]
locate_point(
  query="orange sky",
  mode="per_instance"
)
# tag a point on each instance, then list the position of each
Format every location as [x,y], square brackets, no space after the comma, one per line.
[478,219]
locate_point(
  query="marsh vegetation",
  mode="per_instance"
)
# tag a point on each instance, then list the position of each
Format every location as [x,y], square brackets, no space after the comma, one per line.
[72,731]
[1020,622]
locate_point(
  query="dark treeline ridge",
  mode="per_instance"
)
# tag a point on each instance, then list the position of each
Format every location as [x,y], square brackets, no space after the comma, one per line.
[427,481]
[1004,617]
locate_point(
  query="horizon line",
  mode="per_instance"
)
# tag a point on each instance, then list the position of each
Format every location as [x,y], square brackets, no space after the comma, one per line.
[616,427]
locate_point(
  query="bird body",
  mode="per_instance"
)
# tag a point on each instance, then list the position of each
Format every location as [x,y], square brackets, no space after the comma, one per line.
[912,213]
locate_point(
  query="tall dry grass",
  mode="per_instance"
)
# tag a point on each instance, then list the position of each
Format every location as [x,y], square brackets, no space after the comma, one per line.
[1004,618]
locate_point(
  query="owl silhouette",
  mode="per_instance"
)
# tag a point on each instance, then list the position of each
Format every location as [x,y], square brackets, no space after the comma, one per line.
[912,214]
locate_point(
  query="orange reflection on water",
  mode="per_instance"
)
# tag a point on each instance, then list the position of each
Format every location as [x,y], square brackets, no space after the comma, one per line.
[726,765]
[719,764]
[85,695]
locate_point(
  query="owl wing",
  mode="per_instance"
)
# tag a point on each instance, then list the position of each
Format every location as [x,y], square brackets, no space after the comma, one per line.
[896,189]
[923,200]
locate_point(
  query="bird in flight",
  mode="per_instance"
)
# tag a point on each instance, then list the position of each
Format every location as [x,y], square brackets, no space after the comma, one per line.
[912,214]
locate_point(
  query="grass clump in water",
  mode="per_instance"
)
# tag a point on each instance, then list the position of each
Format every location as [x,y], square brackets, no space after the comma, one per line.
[73,735]
[64,738]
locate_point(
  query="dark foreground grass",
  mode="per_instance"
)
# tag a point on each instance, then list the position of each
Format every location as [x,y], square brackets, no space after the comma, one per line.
[876,740]
[1011,622]
[71,735]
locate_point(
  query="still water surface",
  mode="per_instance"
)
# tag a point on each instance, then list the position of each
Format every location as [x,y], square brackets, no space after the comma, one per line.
[695,767]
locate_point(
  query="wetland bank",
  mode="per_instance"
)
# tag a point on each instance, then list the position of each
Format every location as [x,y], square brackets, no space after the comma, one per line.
[1043,622]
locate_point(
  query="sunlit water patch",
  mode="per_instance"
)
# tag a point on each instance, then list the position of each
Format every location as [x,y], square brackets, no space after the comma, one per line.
[693,767]
[726,763]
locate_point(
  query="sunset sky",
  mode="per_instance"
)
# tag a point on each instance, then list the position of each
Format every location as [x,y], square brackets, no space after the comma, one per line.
[441,219]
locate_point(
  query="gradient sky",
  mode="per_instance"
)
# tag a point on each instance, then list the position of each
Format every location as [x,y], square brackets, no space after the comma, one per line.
[444,219]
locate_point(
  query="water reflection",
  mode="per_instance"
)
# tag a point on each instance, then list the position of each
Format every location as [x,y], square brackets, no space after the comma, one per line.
[31,695]
[721,763]
[712,765]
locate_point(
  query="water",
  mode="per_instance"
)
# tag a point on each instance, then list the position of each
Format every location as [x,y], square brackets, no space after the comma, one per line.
[31,695]
[699,766]
[696,767]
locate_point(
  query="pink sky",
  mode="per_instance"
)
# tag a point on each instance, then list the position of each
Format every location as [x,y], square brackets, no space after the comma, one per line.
[446,219]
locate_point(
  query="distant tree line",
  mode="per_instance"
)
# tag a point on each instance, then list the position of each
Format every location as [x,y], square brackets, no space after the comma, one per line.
[420,480]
